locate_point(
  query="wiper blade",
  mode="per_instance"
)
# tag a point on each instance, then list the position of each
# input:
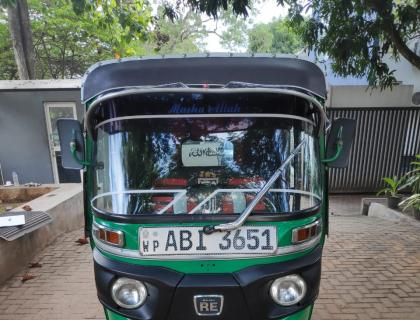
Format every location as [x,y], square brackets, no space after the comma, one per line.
[245,214]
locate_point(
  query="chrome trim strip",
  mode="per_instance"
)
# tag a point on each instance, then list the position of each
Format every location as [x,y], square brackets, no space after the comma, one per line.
[212,115]
[215,192]
[180,194]
[299,247]
[295,230]
[183,192]
[135,254]
[97,227]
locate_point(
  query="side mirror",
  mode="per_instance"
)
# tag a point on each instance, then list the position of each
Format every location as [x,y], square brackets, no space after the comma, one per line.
[72,143]
[339,142]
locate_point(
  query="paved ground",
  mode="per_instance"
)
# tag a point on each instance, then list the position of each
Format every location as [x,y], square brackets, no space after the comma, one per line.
[371,270]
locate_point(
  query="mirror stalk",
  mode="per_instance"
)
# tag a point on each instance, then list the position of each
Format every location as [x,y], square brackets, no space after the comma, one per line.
[339,149]
[73,149]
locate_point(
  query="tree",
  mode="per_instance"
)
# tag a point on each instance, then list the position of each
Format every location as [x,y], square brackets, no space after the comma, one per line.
[274,37]
[21,35]
[8,68]
[234,37]
[178,28]
[66,44]
[184,34]
[356,35]
[260,39]
[285,39]
[125,21]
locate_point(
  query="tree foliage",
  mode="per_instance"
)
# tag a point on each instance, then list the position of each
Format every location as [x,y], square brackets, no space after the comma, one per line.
[125,21]
[8,69]
[68,36]
[234,36]
[356,35]
[66,43]
[185,34]
[274,37]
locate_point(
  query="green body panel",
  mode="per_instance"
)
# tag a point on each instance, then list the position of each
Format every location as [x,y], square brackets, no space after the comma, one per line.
[213,266]
[208,266]
[304,314]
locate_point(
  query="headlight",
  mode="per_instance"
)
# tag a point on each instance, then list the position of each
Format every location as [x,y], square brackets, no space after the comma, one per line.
[288,290]
[129,293]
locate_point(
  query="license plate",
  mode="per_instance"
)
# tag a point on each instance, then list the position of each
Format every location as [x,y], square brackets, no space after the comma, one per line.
[251,240]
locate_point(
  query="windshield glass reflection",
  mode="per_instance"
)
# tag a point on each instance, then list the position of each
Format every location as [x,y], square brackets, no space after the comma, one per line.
[170,166]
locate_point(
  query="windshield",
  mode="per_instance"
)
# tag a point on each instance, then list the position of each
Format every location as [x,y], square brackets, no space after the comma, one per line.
[204,164]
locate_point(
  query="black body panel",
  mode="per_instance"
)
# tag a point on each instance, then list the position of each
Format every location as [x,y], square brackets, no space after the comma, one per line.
[155,71]
[160,284]
[245,292]
[234,305]
[256,282]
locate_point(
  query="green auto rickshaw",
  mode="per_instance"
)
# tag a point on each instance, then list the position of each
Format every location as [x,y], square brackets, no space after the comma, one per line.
[205,183]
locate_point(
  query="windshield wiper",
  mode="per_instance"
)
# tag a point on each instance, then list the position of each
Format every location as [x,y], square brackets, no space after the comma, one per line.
[245,214]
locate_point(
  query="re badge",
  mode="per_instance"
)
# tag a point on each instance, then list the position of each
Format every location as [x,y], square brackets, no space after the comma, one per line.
[208,305]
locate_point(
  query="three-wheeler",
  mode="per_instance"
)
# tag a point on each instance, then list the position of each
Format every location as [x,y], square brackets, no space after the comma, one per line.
[205,184]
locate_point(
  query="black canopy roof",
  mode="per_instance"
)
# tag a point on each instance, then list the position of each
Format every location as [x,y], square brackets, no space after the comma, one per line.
[284,71]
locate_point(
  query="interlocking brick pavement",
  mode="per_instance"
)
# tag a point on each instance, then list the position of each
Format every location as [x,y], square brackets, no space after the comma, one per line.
[371,270]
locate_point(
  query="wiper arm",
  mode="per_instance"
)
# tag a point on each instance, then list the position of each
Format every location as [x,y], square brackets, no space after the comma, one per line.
[245,214]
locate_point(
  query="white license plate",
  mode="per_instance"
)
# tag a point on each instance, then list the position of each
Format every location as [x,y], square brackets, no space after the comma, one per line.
[250,240]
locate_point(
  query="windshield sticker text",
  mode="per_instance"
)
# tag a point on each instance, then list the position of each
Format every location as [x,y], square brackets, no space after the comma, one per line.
[220,108]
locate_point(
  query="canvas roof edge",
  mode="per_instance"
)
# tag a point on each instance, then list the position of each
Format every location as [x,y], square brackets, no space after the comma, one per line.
[264,69]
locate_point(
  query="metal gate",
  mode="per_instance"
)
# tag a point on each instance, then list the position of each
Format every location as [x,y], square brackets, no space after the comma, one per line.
[386,141]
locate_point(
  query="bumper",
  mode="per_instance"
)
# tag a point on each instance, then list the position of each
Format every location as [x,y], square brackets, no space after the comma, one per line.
[245,292]
[304,314]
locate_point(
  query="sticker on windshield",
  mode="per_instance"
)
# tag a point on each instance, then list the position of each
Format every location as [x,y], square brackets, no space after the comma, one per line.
[206,153]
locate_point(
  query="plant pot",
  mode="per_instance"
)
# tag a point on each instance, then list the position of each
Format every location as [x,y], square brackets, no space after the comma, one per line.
[393,202]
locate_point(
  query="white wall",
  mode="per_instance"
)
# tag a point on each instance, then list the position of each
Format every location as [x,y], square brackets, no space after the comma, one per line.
[404,70]
[360,96]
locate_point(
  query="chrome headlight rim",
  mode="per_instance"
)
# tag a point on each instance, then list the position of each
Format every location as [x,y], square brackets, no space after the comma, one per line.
[294,278]
[138,285]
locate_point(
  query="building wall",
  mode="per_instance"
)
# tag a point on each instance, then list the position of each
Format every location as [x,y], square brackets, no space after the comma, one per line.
[404,70]
[23,132]
[361,96]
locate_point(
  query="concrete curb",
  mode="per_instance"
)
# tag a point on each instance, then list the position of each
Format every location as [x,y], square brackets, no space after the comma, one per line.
[381,211]
[65,206]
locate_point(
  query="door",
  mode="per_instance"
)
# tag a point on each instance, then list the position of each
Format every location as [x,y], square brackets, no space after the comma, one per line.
[54,111]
